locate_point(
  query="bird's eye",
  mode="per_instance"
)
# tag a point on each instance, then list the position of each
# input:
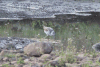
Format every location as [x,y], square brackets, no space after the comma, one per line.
[46,30]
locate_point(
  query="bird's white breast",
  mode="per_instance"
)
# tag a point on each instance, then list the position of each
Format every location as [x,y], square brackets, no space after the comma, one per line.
[47,32]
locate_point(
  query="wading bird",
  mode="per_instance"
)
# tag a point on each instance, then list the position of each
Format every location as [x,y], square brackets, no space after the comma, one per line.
[49,31]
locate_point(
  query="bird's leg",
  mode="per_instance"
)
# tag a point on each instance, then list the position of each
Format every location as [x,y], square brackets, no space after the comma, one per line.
[45,36]
[48,38]
[54,37]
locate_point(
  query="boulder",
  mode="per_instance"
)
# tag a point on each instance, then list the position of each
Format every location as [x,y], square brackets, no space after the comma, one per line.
[38,48]
[96,47]
[58,62]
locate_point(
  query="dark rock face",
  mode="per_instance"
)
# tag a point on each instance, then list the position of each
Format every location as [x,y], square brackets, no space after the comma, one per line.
[96,47]
[14,42]
[28,9]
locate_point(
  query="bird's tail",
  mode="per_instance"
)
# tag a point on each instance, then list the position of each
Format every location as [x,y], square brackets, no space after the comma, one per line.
[96,47]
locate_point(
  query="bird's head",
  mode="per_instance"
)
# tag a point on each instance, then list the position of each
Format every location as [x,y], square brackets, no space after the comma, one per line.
[44,26]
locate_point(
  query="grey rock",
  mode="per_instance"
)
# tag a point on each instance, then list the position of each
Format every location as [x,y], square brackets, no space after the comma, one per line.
[38,48]
[10,46]
[96,47]
[26,60]
[18,46]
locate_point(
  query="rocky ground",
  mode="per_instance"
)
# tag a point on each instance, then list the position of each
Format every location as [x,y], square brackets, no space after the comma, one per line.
[29,9]
[14,42]
[41,54]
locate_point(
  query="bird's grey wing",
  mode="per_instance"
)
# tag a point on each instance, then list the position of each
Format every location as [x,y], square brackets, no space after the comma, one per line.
[52,32]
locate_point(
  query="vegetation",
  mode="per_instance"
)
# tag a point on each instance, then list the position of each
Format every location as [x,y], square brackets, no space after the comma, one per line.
[83,34]
[10,55]
[5,65]
[76,38]
[20,61]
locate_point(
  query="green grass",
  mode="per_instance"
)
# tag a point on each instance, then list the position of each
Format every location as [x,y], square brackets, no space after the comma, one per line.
[5,65]
[78,34]
[76,38]
[10,55]
[20,61]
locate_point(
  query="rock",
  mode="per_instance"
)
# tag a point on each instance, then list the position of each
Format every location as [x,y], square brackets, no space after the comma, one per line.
[19,55]
[13,51]
[40,64]
[18,65]
[14,43]
[57,62]
[96,47]
[13,59]
[44,9]
[42,60]
[37,65]
[71,65]
[13,62]
[1,59]
[79,58]
[19,46]
[68,64]
[45,56]
[4,52]
[85,65]
[53,56]
[54,63]
[81,55]
[26,60]
[5,59]
[38,48]
[10,46]
[26,66]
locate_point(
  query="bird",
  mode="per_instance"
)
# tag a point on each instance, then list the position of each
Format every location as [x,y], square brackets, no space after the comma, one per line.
[96,47]
[49,31]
